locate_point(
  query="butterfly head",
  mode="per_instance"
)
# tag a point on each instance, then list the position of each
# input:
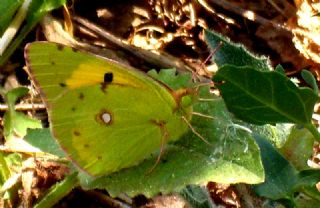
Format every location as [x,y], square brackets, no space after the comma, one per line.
[185,98]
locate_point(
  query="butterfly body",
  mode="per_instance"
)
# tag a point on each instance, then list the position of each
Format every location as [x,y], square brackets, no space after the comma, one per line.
[105,116]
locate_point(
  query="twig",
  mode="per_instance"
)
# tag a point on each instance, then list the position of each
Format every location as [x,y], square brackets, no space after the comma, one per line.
[248,14]
[107,200]
[24,107]
[277,7]
[161,59]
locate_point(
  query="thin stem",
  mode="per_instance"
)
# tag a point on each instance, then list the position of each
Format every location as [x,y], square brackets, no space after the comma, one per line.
[11,31]
[313,130]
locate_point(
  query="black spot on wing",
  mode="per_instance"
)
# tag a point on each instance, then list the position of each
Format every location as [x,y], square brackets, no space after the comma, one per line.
[62,84]
[99,157]
[53,63]
[86,145]
[73,109]
[108,77]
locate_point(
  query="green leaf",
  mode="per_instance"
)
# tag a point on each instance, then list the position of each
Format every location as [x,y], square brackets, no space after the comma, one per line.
[233,54]
[42,139]
[280,69]
[36,10]
[9,165]
[283,181]
[264,97]
[197,197]
[309,78]
[281,177]
[298,147]
[191,160]
[7,10]
[308,178]
[4,169]
[16,123]
[307,181]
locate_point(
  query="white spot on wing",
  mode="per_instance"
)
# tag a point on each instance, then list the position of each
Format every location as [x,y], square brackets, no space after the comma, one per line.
[106,117]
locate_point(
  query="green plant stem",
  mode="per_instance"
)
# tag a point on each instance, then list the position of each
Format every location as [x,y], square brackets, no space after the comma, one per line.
[11,31]
[313,130]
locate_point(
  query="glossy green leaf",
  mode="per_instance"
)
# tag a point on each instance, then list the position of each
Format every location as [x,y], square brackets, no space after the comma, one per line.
[310,79]
[43,140]
[264,97]
[234,54]
[281,177]
[283,181]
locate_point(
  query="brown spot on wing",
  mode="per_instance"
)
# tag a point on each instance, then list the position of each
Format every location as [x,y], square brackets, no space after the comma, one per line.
[60,47]
[103,87]
[81,96]
[76,133]
[74,50]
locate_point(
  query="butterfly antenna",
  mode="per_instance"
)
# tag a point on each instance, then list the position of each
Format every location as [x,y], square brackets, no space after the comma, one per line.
[212,53]
[195,132]
[164,139]
[203,84]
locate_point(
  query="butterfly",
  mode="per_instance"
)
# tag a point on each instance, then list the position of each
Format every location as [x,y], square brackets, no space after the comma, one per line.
[106,116]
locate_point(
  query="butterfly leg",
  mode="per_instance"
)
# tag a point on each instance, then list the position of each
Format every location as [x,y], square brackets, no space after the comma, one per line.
[195,132]
[164,140]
